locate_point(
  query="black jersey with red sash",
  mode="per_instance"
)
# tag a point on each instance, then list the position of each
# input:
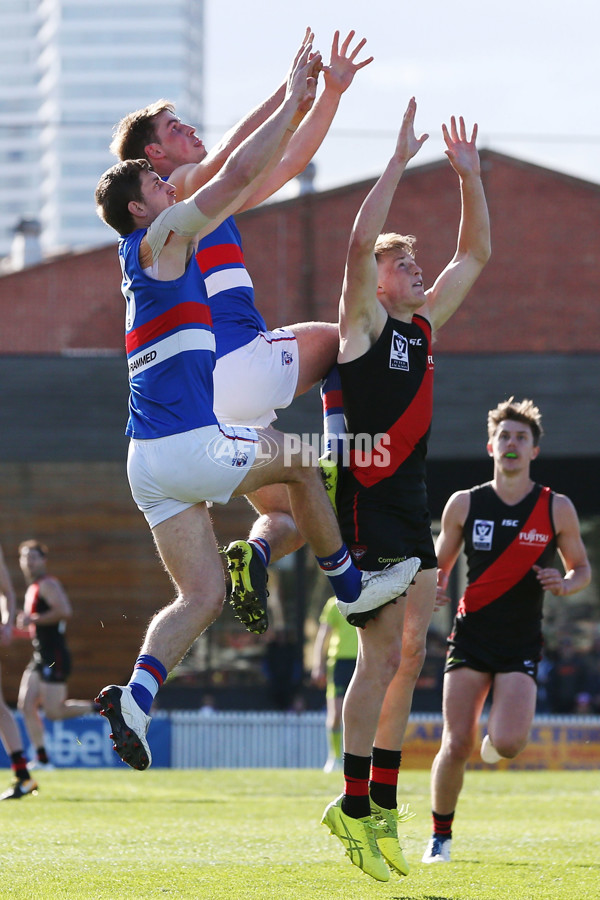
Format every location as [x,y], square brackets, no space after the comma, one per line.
[500,613]
[388,393]
[388,399]
[47,640]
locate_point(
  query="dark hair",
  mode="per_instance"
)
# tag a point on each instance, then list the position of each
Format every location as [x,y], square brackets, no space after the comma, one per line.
[136,130]
[33,545]
[524,411]
[117,187]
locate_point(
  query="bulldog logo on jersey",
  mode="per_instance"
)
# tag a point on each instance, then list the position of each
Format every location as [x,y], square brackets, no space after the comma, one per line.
[483,531]
[399,352]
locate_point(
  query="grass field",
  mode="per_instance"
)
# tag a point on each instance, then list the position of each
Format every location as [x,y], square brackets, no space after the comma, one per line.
[255,833]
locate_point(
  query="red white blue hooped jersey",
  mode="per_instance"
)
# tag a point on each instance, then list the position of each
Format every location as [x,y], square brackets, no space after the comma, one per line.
[170,348]
[236,320]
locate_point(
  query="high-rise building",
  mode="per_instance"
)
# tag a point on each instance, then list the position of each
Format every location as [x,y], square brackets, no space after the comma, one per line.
[69,70]
[20,177]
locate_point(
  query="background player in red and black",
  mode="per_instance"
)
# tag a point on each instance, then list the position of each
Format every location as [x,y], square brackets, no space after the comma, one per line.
[9,730]
[385,364]
[44,682]
[511,528]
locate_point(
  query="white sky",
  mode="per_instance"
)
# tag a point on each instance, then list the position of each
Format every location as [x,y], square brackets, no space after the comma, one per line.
[527,71]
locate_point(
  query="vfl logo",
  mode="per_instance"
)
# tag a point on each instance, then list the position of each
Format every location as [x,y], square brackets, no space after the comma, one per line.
[286,358]
[399,352]
[483,531]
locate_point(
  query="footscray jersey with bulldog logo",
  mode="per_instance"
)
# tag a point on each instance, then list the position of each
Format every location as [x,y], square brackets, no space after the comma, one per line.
[501,609]
[389,391]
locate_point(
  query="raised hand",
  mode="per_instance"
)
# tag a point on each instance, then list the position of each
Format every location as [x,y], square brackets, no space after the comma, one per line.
[342,67]
[308,39]
[461,150]
[408,145]
[301,84]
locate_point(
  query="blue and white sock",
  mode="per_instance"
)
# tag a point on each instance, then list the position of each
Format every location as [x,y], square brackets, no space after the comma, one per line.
[334,425]
[343,575]
[147,677]
[262,548]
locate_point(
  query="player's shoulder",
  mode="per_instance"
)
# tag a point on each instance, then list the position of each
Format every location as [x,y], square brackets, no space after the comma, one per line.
[563,506]
[457,507]
[459,499]
[49,582]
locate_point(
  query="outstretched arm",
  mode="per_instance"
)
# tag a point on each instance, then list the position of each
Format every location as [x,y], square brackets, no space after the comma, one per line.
[188,178]
[172,233]
[303,145]
[473,248]
[361,315]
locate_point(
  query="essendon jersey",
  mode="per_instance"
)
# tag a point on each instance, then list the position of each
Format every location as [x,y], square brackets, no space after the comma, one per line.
[501,610]
[45,638]
[388,395]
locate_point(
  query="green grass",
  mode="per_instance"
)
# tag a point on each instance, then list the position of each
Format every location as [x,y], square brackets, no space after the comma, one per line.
[237,834]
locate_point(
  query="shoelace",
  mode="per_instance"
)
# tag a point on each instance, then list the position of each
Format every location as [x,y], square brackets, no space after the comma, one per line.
[437,847]
[405,813]
[372,826]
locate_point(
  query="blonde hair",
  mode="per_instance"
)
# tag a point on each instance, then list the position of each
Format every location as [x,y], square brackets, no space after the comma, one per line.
[524,411]
[136,130]
[389,242]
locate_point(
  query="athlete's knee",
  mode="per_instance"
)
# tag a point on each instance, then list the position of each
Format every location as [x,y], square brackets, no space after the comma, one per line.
[509,746]
[201,601]
[458,746]
[54,712]
[382,667]
[207,602]
[413,658]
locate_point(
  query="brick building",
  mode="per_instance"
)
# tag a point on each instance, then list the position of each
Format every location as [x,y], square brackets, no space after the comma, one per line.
[530,327]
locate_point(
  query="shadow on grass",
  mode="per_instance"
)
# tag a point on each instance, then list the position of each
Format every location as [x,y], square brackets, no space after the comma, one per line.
[129,800]
[523,865]
[420,897]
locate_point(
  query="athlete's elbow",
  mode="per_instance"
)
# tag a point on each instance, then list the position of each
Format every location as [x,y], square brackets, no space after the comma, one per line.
[482,253]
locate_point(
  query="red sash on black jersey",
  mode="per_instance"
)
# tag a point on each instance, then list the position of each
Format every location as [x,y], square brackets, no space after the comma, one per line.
[516,561]
[31,605]
[401,439]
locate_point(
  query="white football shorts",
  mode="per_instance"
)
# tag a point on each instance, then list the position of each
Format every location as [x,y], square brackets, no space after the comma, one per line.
[170,474]
[256,379]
